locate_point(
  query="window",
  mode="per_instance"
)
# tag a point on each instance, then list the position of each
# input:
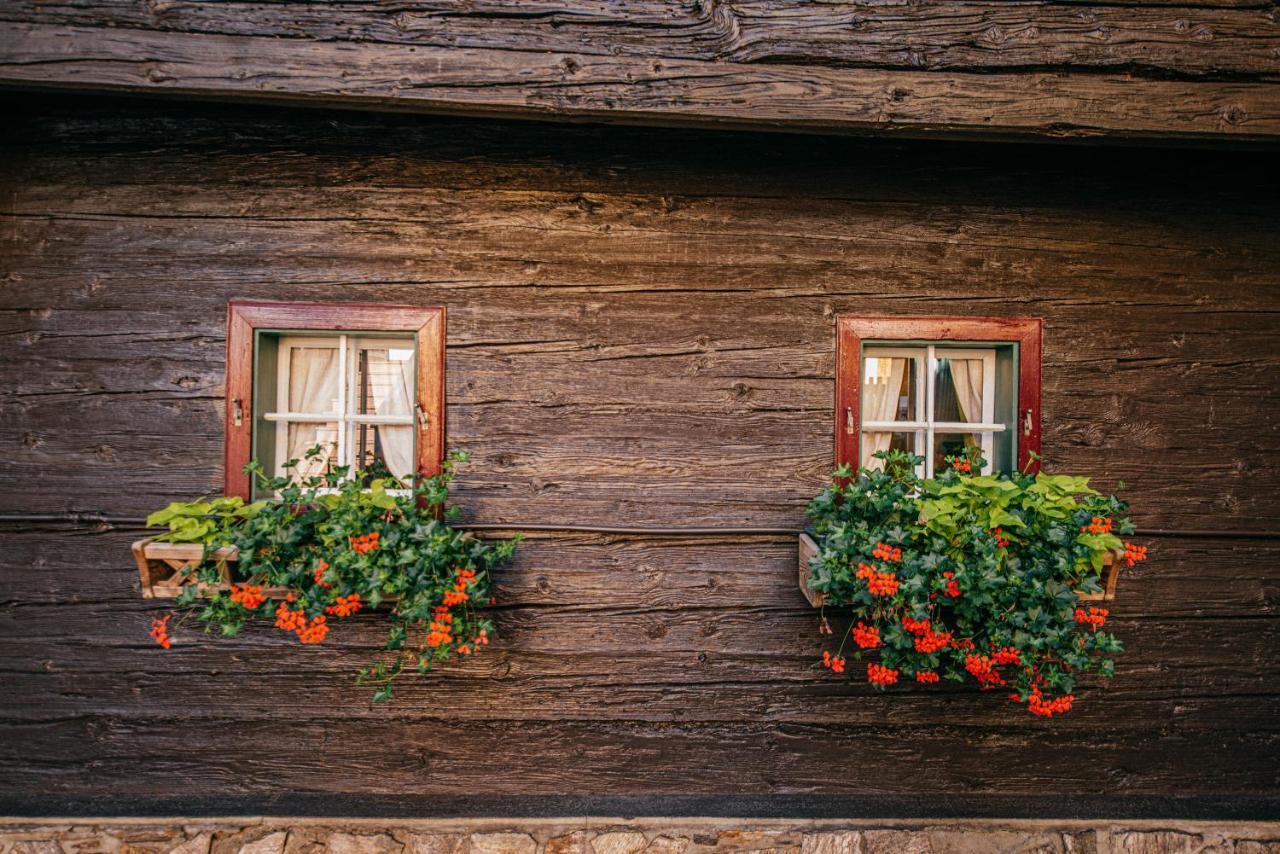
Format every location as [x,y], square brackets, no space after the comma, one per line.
[936,386]
[365,383]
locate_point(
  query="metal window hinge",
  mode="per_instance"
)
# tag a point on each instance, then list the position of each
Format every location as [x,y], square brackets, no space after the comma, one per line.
[848,419]
[422,415]
[237,412]
[1026,423]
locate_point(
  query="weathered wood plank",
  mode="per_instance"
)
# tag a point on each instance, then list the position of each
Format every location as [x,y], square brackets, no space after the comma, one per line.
[968,36]
[1185,578]
[575,86]
[437,757]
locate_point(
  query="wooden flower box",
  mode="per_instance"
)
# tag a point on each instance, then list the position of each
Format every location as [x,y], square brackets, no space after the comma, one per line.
[1110,573]
[167,568]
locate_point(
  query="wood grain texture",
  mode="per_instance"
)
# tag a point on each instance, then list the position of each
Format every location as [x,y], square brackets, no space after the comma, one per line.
[641,331]
[772,66]
[1198,40]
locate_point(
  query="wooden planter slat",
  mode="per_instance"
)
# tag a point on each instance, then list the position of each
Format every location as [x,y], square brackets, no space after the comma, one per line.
[1110,574]
[166,569]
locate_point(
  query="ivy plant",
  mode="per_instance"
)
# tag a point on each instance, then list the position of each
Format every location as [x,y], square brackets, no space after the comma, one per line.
[330,546]
[969,576]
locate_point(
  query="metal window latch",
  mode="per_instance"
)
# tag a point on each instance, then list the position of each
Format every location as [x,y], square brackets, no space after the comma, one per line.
[848,419]
[422,415]
[1026,423]
[237,412]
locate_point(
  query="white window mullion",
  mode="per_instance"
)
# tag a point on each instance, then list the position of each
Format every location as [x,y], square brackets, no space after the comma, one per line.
[343,405]
[931,367]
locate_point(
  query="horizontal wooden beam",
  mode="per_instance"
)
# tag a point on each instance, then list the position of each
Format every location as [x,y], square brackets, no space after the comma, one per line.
[1197,38]
[638,89]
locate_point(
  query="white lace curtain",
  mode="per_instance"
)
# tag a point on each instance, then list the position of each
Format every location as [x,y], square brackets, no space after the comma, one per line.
[313,388]
[391,385]
[966,376]
[880,393]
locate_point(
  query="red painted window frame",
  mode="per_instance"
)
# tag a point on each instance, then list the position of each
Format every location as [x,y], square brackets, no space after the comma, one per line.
[245,317]
[852,330]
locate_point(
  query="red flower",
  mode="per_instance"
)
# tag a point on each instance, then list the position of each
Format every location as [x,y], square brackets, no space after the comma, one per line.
[1094,617]
[1007,655]
[927,677]
[878,674]
[867,637]
[916,627]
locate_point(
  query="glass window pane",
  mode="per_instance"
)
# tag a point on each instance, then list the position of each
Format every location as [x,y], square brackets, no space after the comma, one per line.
[313,380]
[301,438]
[895,441]
[382,449]
[952,445]
[957,390]
[889,388]
[384,380]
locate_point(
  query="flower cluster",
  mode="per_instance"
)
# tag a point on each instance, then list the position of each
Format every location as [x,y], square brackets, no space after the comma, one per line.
[344,606]
[1134,554]
[339,544]
[1006,655]
[866,637]
[1094,617]
[1097,525]
[309,630]
[885,552]
[968,577]
[950,585]
[459,594]
[247,595]
[960,464]
[160,631]
[365,543]
[1041,708]
[878,674]
[441,629]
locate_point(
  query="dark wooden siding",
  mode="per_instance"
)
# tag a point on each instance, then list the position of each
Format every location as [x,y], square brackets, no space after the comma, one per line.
[1193,70]
[641,333]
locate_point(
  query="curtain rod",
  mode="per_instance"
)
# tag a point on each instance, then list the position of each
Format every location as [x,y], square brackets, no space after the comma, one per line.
[139,522]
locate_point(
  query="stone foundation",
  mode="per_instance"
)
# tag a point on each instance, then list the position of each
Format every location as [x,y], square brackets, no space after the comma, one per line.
[634,836]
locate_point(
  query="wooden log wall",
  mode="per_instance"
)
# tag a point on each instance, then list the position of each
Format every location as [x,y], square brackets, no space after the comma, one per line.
[640,334]
[1205,71]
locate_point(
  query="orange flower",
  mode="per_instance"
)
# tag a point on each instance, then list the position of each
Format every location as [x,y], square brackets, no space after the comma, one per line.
[247,596]
[315,631]
[883,584]
[345,606]
[160,631]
